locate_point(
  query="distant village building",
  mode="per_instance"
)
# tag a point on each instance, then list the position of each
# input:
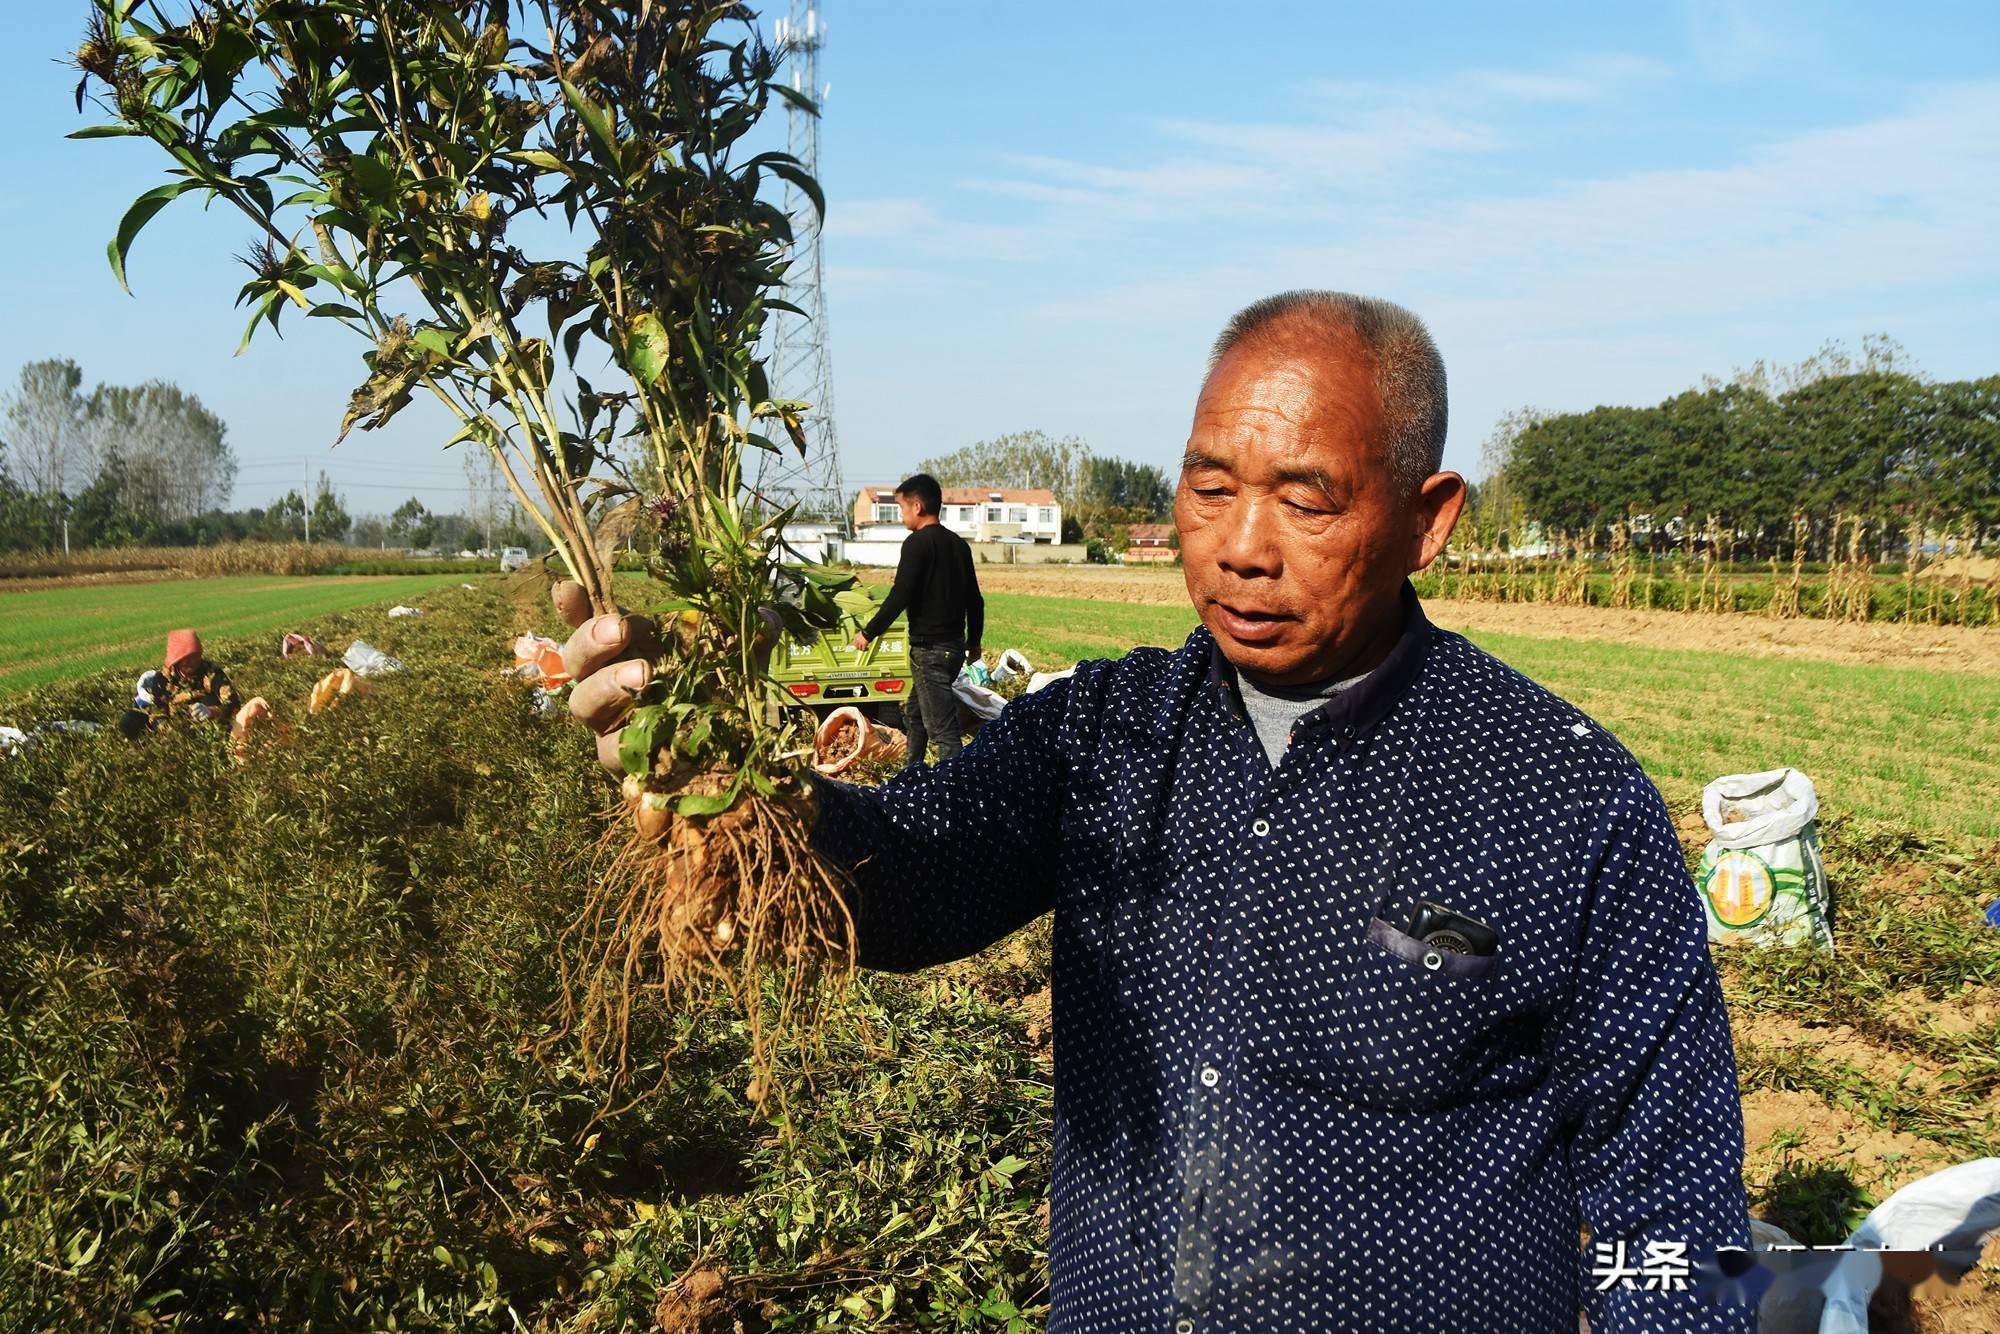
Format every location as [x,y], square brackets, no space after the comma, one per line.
[813,539]
[976,514]
[1149,542]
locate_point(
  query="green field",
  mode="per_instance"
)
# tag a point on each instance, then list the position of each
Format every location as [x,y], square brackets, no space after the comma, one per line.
[282,1038]
[53,634]
[1918,748]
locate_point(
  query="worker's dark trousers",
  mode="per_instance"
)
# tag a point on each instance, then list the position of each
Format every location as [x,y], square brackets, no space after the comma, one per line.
[932,713]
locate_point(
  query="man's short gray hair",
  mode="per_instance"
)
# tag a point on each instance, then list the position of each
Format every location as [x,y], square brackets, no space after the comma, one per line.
[1409,373]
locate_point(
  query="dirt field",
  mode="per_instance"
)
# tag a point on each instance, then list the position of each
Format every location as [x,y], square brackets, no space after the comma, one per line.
[1941,648]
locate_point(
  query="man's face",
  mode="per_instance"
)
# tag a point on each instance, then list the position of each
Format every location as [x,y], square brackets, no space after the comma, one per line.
[912,510]
[1294,539]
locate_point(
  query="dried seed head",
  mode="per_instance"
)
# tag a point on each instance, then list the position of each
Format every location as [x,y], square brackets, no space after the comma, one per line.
[97,54]
[264,259]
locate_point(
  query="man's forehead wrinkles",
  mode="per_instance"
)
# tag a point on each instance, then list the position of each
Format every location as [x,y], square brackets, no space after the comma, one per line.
[1251,410]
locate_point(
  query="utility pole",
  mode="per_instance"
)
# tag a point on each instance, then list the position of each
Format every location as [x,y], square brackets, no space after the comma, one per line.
[308,493]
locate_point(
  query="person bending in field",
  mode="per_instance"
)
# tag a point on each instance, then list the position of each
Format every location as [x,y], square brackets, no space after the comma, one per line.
[1378,974]
[938,585]
[187,686]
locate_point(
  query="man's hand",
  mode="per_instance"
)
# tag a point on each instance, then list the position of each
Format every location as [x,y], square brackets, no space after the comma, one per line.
[610,659]
[972,654]
[861,640]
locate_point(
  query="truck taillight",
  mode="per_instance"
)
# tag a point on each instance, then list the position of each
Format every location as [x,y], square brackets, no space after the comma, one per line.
[804,689]
[889,687]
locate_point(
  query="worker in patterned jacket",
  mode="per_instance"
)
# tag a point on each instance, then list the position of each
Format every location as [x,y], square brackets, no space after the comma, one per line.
[1378,977]
[187,686]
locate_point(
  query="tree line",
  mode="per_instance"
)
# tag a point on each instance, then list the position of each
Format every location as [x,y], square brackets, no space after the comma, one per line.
[1769,460]
[149,465]
[1100,496]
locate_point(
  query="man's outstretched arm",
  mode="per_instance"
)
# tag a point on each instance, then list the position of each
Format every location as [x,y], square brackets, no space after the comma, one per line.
[945,860]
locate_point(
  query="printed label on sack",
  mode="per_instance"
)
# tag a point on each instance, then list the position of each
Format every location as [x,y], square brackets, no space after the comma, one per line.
[1740,887]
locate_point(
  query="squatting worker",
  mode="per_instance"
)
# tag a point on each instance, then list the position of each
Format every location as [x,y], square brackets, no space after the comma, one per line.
[937,584]
[1275,1110]
[187,686]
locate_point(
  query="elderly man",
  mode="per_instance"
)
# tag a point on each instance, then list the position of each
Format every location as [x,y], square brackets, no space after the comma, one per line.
[1378,976]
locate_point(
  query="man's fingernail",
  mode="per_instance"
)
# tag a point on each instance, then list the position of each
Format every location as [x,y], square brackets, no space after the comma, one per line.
[608,630]
[632,675]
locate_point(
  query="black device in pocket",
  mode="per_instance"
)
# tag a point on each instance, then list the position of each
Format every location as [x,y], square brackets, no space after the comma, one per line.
[1444,928]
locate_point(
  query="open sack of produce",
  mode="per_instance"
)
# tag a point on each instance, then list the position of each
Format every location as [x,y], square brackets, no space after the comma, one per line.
[847,735]
[1761,876]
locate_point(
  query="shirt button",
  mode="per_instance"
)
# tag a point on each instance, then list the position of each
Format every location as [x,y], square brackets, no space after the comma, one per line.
[1184,1326]
[1261,828]
[1348,730]
[1210,1076]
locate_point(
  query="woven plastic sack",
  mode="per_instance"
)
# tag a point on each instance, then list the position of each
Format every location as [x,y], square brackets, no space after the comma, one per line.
[835,749]
[1012,663]
[367,660]
[1949,1213]
[1761,876]
[335,686]
[983,703]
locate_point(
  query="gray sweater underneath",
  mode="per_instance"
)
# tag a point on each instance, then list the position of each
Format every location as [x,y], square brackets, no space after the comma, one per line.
[1273,709]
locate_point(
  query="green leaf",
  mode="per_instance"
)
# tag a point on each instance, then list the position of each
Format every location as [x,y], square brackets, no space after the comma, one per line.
[434,339]
[537,157]
[142,211]
[795,97]
[263,309]
[596,122]
[698,803]
[635,743]
[647,348]
[793,172]
[101,132]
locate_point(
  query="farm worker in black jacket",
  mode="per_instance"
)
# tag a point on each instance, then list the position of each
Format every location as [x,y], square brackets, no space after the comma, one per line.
[936,584]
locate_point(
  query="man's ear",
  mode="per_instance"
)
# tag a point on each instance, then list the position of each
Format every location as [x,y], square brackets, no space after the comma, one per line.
[1434,512]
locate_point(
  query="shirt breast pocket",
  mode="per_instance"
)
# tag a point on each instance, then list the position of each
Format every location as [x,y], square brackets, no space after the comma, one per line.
[1385,1021]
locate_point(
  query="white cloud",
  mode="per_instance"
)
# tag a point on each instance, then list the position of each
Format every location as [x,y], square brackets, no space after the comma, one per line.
[1732,40]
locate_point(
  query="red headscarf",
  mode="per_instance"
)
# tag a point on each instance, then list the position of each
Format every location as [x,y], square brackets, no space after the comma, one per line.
[182,645]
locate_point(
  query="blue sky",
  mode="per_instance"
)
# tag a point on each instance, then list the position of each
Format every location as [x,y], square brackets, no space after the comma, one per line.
[1041,213]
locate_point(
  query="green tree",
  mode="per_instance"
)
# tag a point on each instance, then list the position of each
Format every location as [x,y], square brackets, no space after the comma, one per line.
[330,519]
[1022,459]
[176,458]
[412,525]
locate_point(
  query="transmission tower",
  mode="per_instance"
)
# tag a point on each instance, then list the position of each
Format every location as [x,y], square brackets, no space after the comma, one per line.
[799,366]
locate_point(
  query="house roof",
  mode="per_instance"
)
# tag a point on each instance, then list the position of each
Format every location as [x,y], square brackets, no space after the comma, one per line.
[1153,532]
[967,495]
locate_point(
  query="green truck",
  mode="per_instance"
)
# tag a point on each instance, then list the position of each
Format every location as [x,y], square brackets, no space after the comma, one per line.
[827,671]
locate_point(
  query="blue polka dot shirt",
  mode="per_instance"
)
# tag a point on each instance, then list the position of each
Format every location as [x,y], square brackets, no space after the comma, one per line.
[1277,1111]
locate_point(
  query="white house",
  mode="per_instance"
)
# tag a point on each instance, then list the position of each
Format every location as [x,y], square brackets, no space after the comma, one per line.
[974,513]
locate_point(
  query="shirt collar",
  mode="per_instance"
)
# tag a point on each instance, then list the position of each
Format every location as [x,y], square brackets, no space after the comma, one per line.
[1358,710]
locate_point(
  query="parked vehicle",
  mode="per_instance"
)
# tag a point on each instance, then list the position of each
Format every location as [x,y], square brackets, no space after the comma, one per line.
[512,559]
[828,671]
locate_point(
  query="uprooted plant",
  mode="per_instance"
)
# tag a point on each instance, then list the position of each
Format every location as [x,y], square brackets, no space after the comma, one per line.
[430,175]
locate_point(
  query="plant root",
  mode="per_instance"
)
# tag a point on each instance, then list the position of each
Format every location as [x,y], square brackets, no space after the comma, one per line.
[699,908]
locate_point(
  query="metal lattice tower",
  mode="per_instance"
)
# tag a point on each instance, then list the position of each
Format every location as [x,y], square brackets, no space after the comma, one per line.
[798,365]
